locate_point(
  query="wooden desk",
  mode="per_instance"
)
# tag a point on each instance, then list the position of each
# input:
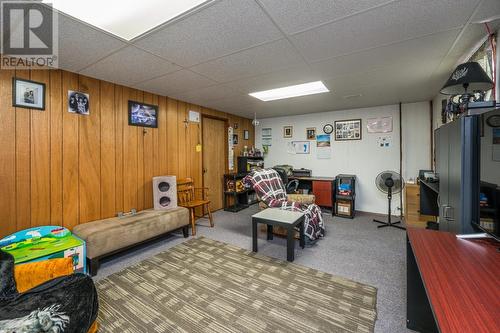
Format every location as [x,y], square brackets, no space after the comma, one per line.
[321,187]
[453,285]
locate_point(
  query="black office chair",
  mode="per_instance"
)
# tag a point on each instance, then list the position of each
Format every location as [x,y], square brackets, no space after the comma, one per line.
[290,186]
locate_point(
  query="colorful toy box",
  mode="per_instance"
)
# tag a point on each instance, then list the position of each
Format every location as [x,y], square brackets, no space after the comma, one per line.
[43,243]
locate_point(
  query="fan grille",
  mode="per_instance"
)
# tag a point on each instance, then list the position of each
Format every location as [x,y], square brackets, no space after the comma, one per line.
[382,181]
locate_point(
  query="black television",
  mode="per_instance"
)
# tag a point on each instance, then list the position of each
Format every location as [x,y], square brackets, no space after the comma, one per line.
[489,187]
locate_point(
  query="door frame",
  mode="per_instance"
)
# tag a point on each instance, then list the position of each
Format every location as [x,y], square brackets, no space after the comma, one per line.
[226,148]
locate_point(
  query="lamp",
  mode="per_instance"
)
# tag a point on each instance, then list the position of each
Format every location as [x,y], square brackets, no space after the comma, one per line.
[467,79]
[255,122]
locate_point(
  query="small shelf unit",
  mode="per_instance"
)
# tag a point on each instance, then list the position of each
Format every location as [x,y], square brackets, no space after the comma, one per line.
[345,196]
[234,201]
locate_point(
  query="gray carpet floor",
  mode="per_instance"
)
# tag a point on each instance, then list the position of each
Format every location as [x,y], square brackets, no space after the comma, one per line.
[353,249]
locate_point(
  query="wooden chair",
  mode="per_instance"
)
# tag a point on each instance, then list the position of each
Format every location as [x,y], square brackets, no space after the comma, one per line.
[186,197]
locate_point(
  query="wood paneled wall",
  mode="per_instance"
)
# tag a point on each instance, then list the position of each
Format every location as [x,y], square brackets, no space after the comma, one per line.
[59,168]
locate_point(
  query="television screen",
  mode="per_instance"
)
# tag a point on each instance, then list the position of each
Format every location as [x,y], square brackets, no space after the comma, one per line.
[141,114]
[489,192]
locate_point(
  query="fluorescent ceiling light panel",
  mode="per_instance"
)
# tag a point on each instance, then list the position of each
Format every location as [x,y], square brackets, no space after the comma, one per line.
[125,18]
[310,88]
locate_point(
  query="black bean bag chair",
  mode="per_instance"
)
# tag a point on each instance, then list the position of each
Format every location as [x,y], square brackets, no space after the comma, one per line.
[63,304]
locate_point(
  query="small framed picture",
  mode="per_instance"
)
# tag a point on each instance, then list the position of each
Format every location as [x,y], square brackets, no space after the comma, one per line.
[235,139]
[78,102]
[311,133]
[287,131]
[28,94]
[142,114]
[246,135]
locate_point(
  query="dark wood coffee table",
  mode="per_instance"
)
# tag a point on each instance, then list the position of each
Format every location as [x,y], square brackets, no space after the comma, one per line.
[283,218]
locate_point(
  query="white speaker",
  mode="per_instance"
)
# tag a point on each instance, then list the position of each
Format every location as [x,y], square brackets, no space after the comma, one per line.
[164,192]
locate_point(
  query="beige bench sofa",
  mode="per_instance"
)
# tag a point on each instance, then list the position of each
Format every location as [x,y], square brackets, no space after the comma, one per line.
[116,234]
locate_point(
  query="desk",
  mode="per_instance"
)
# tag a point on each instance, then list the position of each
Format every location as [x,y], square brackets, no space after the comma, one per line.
[452,284]
[323,189]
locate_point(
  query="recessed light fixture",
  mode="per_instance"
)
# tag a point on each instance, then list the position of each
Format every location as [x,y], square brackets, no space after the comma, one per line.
[310,88]
[125,18]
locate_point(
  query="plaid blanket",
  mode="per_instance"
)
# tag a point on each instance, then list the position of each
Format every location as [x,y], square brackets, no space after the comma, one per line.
[270,189]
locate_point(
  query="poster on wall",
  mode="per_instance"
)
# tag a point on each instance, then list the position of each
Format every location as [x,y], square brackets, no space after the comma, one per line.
[267,137]
[323,146]
[301,147]
[384,141]
[230,154]
[194,116]
[379,125]
[346,130]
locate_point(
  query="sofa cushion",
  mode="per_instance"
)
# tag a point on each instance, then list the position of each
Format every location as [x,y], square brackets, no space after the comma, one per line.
[108,235]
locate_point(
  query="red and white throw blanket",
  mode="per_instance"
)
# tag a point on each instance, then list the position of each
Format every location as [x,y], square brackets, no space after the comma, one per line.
[270,189]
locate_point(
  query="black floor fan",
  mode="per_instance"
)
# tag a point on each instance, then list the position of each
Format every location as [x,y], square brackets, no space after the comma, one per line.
[389,182]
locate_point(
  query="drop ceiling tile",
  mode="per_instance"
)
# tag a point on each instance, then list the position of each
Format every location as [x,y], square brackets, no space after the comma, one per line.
[130,66]
[211,93]
[235,102]
[419,50]
[276,79]
[81,45]
[176,83]
[298,15]
[258,60]
[225,27]
[489,9]
[384,25]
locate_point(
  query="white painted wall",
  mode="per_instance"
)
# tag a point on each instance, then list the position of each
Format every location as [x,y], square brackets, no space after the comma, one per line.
[416,128]
[362,157]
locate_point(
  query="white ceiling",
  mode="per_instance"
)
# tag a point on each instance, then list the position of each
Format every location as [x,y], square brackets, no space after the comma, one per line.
[385,51]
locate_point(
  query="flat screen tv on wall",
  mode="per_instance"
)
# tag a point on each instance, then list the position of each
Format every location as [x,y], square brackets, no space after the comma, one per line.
[142,114]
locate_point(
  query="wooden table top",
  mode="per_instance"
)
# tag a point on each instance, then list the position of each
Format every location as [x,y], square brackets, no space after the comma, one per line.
[461,278]
[279,215]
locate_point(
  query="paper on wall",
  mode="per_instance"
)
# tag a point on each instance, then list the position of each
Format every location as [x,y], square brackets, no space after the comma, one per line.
[230,148]
[379,125]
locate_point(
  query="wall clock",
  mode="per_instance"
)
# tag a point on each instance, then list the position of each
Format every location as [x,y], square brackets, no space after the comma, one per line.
[493,120]
[328,129]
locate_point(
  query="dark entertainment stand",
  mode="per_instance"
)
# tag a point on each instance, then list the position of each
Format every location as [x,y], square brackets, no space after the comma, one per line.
[452,284]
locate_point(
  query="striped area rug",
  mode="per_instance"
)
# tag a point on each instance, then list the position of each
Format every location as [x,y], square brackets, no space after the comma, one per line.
[204,285]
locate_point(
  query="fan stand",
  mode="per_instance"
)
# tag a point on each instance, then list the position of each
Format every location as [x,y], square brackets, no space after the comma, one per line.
[389,223]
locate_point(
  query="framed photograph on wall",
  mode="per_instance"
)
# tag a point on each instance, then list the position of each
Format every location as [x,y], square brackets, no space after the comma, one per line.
[311,133]
[235,139]
[28,94]
[78,102]
[287,131]
[142,114]
[246,135]
[346,130]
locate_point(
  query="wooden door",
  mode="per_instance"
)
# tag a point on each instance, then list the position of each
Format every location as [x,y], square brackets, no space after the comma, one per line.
[214,159]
